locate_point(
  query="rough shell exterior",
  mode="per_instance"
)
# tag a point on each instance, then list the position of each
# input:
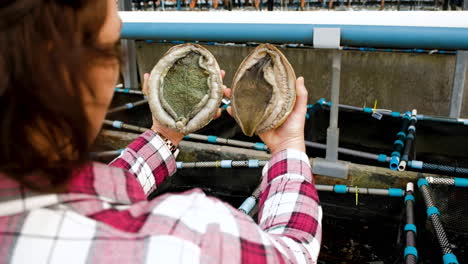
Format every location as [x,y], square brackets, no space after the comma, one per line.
[280,75]
[204,111]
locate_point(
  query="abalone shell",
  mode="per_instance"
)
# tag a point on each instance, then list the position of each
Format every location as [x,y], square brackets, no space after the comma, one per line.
[263,90]
[185,88]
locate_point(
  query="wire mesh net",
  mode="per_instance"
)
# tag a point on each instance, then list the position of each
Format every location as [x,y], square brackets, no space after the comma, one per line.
[452,203]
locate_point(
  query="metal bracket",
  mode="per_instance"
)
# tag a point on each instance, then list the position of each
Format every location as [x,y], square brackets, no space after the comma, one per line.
[458,87]
[327,38]
[338,169]
[129,64]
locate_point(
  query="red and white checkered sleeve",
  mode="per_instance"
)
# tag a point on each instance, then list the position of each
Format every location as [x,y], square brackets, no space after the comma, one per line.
[289,206]
[148,159]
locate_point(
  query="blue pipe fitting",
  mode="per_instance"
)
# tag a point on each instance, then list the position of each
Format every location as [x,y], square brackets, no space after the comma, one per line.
[126,90]
[410,227]
[382,158]
[422,182]
[339,188]
[432,210]
[396,154]
[416,164]
[396,114]
[321,101]
[187,136]
[368,110]
[260,146]
[450,259]
[248,204]
[226,164]
[117,124]
[179,164]
[409,197]
[212,139]
[410,136]
[401,133]
[253,164]
[398,142]
[129,105]
[411,251]
[461,182]
[394,161]
[395,192]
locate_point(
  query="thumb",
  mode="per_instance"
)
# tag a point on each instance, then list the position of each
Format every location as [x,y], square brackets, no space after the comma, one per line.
[301,96]
[145,84]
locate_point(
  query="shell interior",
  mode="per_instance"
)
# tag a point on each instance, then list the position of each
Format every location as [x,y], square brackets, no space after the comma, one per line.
[255,92]
[185,73]
[263,90]
[185,88]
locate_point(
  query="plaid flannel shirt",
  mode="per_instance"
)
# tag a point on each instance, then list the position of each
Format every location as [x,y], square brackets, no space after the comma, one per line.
[105,216]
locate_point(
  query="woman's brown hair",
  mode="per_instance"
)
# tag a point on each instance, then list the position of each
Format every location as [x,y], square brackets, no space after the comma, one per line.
[46,50]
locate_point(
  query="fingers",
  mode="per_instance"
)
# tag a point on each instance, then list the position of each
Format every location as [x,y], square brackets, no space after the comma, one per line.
[223,73]
[145,84]
[217,114]
[227,92]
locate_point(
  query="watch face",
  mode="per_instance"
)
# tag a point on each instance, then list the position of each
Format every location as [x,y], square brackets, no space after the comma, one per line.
[168,143]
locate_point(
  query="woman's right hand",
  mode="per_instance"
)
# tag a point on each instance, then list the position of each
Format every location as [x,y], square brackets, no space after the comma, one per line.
[290,135]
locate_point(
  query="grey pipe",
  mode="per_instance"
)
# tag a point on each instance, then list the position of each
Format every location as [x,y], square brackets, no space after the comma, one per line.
[411,253]
[356,153]
[128,91]
[127,106]
[120,124]
[342,189]
[109,153]
[333,130]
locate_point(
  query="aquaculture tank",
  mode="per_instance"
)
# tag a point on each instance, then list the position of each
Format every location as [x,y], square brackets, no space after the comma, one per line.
[384,130]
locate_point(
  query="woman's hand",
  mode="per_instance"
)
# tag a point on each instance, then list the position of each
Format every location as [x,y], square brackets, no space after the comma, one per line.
[291,133]
[174,136]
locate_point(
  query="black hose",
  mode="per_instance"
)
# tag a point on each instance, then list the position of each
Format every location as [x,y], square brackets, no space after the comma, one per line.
[411,255]
[399,144]
[409,142]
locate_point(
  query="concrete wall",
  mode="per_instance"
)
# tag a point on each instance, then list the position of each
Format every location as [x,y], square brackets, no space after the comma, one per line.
[398,81]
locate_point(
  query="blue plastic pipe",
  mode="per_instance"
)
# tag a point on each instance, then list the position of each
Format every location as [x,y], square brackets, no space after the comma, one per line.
[351,35]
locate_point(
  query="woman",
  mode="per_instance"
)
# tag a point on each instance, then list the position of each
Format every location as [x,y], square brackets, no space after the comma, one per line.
[58,68]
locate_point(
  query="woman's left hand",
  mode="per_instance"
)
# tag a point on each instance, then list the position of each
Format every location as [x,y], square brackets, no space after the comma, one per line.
[174,136]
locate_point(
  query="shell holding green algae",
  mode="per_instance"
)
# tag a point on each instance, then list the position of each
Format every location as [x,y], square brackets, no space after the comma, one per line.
[263,90]
[185,88]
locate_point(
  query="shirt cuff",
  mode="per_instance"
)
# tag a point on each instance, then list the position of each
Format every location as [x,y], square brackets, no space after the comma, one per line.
[291,162]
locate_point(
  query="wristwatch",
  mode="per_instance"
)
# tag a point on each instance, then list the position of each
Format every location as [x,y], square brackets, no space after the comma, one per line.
[173,148]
